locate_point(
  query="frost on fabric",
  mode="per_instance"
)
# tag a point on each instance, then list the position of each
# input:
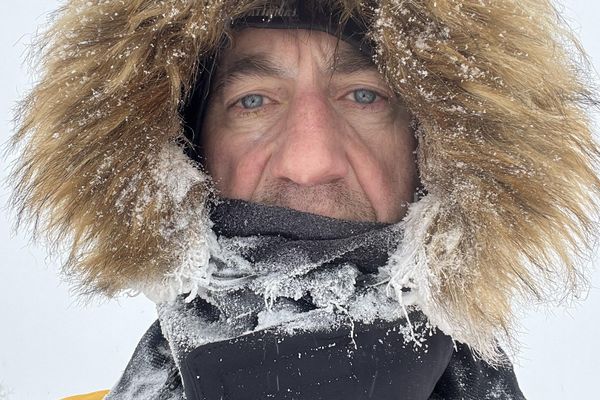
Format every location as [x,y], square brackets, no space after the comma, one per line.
[289,294]
[483,383]
[143,386]
[186,329]
[149,375]
[499,391]
[327,288]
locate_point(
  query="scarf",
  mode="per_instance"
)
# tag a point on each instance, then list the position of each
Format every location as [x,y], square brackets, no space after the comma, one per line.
[298,308]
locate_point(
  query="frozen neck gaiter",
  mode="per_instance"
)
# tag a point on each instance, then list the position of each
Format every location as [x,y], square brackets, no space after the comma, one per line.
[297,308]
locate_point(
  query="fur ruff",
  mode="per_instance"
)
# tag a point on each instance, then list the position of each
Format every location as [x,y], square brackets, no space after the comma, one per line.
[505,153]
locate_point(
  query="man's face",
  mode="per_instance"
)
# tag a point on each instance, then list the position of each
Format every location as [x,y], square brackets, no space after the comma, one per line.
[292,125]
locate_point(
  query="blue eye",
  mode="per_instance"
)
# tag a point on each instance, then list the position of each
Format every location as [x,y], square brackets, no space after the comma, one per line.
[252,101]
[364,96]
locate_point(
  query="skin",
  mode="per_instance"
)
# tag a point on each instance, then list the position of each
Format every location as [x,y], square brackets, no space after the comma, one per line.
[290,124]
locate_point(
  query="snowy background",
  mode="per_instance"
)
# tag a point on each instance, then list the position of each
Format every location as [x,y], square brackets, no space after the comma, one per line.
[52,346]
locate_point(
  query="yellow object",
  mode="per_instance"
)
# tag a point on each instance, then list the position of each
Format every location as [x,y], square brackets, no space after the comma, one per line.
[90,396]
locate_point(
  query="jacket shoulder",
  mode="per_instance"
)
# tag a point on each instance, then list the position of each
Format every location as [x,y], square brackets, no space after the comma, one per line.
[90,396]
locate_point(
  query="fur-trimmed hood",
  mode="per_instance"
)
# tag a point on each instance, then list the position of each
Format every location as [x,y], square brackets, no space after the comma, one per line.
[505,151]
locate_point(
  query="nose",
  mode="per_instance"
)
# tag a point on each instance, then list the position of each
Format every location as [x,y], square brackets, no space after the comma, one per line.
[310,151]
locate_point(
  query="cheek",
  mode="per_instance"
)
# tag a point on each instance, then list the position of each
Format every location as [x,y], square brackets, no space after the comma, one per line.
[236,166]
[402,162]
[385,167]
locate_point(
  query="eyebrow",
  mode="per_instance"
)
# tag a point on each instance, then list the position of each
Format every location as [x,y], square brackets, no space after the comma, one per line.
[258,65]
[343,61]
[349,61]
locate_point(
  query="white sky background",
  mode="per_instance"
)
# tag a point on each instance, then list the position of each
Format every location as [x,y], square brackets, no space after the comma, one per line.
[53,346]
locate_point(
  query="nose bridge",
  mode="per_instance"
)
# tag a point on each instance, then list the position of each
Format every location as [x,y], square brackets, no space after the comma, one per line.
[311,150]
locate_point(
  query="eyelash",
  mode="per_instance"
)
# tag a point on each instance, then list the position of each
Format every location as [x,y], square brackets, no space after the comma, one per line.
[378,98]
[236,107]
[376,105]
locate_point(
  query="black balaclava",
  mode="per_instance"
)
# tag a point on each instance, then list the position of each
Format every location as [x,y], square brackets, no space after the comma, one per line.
[310,15]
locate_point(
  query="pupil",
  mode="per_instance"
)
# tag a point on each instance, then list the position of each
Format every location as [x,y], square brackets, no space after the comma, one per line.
[252,101]
[364,96]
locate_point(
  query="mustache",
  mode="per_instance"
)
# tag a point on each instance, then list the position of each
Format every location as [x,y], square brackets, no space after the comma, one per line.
[333,199]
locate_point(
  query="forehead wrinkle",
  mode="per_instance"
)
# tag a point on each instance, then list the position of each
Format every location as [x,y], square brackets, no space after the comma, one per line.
[337,55]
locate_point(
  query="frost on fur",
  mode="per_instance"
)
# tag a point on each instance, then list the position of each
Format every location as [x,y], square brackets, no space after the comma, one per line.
[187,229]
[423,262]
